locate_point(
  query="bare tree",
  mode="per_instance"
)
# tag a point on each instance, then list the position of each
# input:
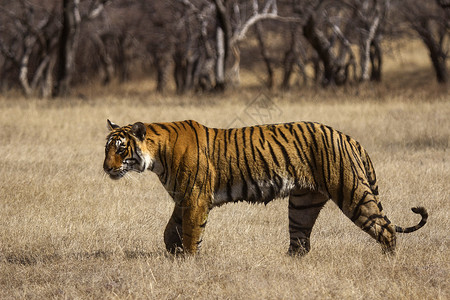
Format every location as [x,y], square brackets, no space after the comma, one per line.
[46,47]
[67,44]
[68,41]
[430,20]
[36,45]
[370,16]
[233,26]
[315,31]
[27,40]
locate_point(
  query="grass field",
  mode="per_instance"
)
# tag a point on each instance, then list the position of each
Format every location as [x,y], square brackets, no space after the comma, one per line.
[69,232]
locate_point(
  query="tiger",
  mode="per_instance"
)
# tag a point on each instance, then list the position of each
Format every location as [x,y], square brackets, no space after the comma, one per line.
[202,168]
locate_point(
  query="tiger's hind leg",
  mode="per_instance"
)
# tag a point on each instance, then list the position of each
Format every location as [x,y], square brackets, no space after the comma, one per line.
[368,215]
[304,208]
[173,232]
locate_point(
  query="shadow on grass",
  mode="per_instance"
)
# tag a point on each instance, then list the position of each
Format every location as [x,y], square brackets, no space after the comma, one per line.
[30,259]
[25,258]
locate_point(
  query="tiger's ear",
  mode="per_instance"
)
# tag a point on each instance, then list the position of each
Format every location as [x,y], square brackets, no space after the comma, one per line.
[111,126]
[138,130]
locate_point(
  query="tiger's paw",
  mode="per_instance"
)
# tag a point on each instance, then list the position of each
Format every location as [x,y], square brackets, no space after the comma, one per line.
[175,250]
[299,248]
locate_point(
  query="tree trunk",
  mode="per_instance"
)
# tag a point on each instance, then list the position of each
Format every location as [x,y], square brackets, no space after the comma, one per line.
[366,49]
[291,57]
[122,66]
[376,61]
[162,63]
[265,55]
[67,46]
[437,56]
[323,48]
[220,63]
[223,38]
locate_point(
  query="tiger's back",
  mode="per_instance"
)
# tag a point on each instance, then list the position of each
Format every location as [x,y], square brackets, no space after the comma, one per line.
[264,162]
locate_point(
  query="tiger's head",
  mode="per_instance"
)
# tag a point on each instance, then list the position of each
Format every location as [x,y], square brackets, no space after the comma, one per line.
[126,150]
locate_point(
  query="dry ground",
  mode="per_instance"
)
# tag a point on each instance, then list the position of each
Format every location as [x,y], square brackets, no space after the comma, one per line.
[69,232]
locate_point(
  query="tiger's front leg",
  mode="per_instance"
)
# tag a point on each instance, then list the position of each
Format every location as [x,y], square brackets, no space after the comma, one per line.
[173,232]
[195,216]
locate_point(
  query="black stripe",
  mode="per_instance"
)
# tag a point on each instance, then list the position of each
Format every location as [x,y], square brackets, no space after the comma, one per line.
[261,134]
[225,143]
[164,127]
[333,148]
[238,164]
[207,142]
[273,155]
[268,175]
[266,165]
[244,141]
[150,126]
[215,130]
[230,182]
[286,157]
[282,133]
[327,159]
[380,207]
[312,130]
[236,150]
[229,133]
[370,218]
[204,224]
[250,176]
[326,165]
[219,170]
[300,152]
[357,211]
[252,146]
[303,156]
[307,144]
[176,124]
[341,184]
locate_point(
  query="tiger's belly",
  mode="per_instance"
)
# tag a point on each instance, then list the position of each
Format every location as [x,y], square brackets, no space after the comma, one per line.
[262,191]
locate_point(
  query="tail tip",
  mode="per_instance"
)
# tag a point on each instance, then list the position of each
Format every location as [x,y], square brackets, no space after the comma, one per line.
[420,210]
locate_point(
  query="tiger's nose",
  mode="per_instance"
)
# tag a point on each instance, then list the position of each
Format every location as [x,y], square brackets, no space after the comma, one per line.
[106,168]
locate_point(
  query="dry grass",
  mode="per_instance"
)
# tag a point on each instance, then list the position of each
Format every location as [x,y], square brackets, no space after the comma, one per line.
[68,231]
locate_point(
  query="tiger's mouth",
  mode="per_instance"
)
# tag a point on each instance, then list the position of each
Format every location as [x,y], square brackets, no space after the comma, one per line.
[116,175]
[130,164]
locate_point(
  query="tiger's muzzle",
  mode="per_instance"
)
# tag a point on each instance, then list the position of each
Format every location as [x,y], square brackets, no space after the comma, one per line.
[130,164]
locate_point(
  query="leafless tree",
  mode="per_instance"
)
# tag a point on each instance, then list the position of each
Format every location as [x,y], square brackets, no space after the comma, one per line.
[235,19]
[46,47]
[369,17]
[68,40]
[38,41]
[27,40]
[430,20]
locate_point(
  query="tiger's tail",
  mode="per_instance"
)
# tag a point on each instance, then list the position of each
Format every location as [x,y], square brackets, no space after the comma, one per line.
[417,210]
